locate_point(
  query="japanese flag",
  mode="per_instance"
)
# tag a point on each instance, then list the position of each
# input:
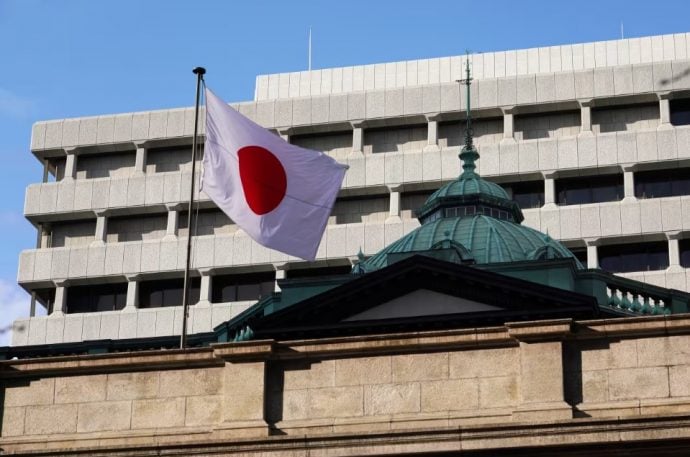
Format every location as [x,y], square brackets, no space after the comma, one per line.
[280,194]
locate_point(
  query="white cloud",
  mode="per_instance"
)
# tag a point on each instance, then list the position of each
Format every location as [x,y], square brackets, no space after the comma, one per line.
[14,106]
[14,303]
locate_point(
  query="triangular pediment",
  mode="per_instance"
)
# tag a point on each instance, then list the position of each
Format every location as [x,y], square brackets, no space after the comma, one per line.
[421,302]
[414,294]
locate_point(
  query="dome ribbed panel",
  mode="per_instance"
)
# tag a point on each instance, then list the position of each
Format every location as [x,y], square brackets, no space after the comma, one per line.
[469,186]
[489,240]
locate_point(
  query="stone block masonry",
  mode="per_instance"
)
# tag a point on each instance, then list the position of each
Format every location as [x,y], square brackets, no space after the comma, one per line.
[526,373]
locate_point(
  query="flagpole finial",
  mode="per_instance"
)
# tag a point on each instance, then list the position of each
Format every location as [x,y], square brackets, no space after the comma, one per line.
[199,71]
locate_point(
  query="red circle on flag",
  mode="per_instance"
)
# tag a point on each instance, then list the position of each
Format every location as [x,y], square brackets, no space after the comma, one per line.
[263,179]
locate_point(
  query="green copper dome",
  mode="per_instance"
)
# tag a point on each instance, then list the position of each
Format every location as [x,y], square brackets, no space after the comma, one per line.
[471,185]
[470,220]
[482,240]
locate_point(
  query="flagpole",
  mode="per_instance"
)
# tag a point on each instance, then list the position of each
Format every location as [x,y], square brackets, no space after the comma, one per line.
[199,72]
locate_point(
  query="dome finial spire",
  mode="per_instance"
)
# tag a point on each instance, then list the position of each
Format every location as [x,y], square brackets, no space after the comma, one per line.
[469,154]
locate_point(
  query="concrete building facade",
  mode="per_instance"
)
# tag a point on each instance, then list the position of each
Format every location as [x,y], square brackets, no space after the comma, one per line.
[593,140]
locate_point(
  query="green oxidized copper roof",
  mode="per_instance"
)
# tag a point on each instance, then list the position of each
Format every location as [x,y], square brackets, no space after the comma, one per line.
[488,240]
[476,218]
[470,185]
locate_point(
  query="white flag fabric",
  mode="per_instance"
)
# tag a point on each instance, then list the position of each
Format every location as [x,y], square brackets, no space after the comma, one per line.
[280,194]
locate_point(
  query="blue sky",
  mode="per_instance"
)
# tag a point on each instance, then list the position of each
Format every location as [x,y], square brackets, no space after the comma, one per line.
[77,58]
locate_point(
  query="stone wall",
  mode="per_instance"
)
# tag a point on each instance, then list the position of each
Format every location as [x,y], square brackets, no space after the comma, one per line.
[524,373]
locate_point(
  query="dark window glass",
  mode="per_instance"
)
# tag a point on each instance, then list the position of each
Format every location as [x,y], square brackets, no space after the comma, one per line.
[680,111]
[241,287]
[316,272]
[167,292]
[590,189]
[624,258]
[528,194]
[685,253]
[662,183]
[580,254]
[95,298]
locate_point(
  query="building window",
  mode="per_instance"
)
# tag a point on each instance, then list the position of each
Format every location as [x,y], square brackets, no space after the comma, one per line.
[580,254]
[460,211]
[680,111]
[114,165]
[242,287]
[547,125]
[684,246]
[623,258]
[405,138]
[331,143]
[352,210]
[411,201]
[168,292]
[96,298]
[662,183]
[590,189]
[319,272]
[625,118]
[527,194]
[177,158]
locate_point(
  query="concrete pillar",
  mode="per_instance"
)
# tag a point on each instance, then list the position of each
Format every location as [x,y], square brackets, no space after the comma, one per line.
[70,163]
[629,183]
[432,133]
[173,222]
[205,287]
[281,270]
[541,390]
[132,302]
[549,188]
[46,171]
[394,205]
[101,228]
[674,251]
[358,137]
[592,254]
[664,111]
[60,305]
[508,125]
[140,160]
[45,236]
[244,404]
[586,117]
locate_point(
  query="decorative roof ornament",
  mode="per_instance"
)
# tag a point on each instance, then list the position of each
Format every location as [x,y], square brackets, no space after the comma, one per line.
[358,267]
[468,154]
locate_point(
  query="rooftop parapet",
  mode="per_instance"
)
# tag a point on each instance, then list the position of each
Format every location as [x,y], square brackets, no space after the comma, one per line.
[571,57]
